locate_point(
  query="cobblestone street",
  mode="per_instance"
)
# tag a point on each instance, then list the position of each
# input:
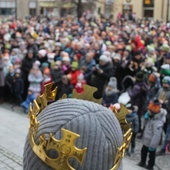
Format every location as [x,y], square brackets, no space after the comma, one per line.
[9,160]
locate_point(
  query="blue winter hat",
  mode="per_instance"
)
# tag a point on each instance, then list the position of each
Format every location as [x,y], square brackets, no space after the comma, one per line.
[166,80]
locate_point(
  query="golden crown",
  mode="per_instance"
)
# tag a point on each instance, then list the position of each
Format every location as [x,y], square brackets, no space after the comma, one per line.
[65,147]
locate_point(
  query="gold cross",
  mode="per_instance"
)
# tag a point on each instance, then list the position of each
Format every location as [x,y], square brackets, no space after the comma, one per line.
[66,150]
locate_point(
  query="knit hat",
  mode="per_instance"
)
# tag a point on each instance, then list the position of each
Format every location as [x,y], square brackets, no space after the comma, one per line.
[129,106]
[166,80]
[139,76]
[116,56]
[97,126]
[104,58]
[113,82]
[42,52]
[152,78]
[75,64]
[154,106]
[165,70]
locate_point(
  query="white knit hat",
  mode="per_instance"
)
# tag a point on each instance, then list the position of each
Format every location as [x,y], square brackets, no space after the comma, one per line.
[97,126]
[42,52]
[104,58]
[113,82]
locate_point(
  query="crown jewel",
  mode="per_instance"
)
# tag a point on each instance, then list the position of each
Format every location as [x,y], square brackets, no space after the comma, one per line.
[65,147]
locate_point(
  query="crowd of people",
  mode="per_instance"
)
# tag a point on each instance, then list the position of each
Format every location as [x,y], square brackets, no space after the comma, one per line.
[123,57]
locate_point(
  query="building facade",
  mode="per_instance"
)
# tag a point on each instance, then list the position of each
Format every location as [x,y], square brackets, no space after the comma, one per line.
[18,8]
[156,9]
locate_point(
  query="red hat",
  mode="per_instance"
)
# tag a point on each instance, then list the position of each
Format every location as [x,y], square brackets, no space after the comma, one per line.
[154,106]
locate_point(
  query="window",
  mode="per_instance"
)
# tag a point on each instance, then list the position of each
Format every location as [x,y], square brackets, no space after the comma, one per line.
[32,11]
[6,11]
[148,13]
[148,3]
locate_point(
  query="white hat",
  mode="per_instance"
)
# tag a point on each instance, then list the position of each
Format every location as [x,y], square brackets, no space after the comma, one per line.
[116,56]
[66,59]
[37,63]
[42,52]
[104,58]
[51,55]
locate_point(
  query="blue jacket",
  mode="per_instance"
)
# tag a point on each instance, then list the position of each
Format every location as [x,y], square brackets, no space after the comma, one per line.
[134,120]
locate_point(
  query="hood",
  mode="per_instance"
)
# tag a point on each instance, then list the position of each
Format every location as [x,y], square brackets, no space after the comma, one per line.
[161,115]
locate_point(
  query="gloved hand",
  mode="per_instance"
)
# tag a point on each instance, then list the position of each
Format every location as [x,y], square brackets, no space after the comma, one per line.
[151,149]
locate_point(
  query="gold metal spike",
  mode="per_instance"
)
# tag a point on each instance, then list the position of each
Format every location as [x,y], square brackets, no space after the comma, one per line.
[87,94]
[50,94]
[121,150]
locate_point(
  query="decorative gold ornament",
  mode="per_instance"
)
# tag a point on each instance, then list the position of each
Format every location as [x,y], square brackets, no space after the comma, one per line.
[126,128]
[65,147]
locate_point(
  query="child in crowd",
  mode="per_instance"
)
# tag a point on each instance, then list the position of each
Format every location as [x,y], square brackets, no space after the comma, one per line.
[111,93]
[46,78]
[18,86]
[30,98]
[155,118]
[132,118]
[66,88]
[80,82]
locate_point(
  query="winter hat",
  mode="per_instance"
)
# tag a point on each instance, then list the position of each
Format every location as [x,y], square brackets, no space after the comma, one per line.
[37,63]
[165,70]
[104,58]
[80,77]
[165,47]
[129,106]
[42,52]
[154,106]
[75,64]
[97,126]
[152,78]
[116,56]
[166,80]
[113,82]
[139,76]
[66,59]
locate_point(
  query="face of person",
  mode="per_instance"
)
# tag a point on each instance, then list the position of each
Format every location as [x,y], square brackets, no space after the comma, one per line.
[30,55]
[102,63]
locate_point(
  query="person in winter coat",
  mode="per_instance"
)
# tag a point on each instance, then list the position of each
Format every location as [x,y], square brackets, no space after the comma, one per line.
[138,95]
[153,87]
[2,79]
[80,82]
[75,72]
[35,78]
[86,65]
[132,118]
[46,78]
[66,88]
[155,118]
[110,95]
[56,74]
[26,66]
[164,97]
[30,98]
[18,86]
[102,74]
